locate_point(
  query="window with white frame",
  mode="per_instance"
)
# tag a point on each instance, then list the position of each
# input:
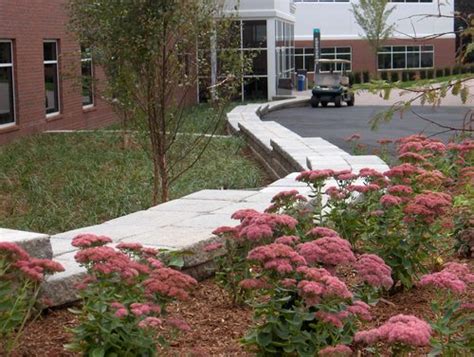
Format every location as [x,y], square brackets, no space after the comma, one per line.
[304,57]
[87,78]
[405,57]
[51,77]
[7,92]
[250,38]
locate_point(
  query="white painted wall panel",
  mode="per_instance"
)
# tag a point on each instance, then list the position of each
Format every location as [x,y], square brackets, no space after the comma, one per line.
[336,21]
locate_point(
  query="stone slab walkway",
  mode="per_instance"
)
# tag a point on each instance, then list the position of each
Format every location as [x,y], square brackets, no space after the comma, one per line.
[187,223]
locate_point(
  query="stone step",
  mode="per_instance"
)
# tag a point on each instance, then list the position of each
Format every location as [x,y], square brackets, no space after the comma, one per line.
[36,244]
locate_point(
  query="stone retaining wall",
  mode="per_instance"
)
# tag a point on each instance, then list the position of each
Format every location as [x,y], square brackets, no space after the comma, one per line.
[186,224]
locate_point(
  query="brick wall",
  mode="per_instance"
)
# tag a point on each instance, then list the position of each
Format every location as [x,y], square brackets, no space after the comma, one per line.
[363,58]
[28,23]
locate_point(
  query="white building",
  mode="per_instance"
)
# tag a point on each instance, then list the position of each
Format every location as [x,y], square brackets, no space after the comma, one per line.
[267,29]
[342,37]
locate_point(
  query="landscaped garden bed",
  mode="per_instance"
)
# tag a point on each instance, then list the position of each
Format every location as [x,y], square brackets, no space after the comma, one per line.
[376,264]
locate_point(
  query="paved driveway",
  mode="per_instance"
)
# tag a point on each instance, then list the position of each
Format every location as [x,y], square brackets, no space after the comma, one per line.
[336,124]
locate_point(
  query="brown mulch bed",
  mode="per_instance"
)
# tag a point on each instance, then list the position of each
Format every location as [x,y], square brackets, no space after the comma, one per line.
[216,325]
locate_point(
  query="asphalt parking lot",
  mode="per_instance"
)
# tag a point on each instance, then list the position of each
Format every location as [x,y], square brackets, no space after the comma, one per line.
[337,124]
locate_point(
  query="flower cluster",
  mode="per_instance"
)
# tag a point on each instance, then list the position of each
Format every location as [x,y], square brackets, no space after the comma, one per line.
[403,329]
[329,251]
[277,257]
[428,206]
[373,270]
[454,277]
[144,285]
[255,226]
[317,283]
[169,283]
[20,280]
[335,351]
[89,240]
[19,261]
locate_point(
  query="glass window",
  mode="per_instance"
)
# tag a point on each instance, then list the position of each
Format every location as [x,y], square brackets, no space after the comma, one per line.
[254,34]
[51,77]
[406,57]
[336,53]
[7,96]
[87,78]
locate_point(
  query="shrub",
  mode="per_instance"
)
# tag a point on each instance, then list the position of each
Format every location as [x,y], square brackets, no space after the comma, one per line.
[429,74]
[366,76]
[413,76]
[255,229]
[452,327]
[447,71]
[456,70]
[384,75]
[439,73]
[20,279]
[124,295]
[304,310]
[423,74]
[357,77]
[395,77]
[405,76]
[401,332]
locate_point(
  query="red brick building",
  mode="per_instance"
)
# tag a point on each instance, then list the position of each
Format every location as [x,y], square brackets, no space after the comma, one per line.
[418,42]
[40,73]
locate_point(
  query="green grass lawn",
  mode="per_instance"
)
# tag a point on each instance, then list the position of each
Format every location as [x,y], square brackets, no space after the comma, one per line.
[52,183]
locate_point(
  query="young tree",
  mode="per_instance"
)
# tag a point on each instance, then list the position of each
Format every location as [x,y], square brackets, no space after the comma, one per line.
[153,53]
[372,16]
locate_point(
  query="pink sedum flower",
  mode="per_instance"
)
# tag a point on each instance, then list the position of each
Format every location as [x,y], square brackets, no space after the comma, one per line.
[277,257]
[390,200]
[13,251]
[328,251]
[170,283]
[288,240]
[335,351]
[213,247]
[139,309]
[360,309]
[443,280]
[150,322]
[373,270]
[254,284]
[90,240]
[319,232]
[121,313]
[134,247]
[405,329]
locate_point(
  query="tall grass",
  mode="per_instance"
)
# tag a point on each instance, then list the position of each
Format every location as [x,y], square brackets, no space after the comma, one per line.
[52,183]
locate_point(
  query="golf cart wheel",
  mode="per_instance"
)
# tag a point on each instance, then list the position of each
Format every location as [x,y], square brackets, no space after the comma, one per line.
[351,101]
[314,102]
[338,101]
[324,104]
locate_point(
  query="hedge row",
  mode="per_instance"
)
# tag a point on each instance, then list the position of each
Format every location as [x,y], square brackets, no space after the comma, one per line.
[407,75]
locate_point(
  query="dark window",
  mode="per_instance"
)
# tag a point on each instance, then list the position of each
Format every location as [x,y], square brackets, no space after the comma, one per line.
[406,57]
[255,88]
[254,34]
[51,77]
[87,78]
[7,99]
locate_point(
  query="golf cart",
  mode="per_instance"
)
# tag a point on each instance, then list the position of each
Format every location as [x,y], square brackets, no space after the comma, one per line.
[332,86]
